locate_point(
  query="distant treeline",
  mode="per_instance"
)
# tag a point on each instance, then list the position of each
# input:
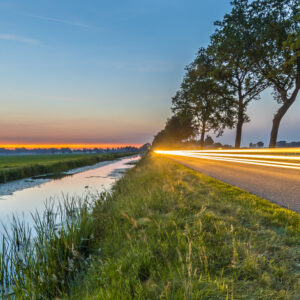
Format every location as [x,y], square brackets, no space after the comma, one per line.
[284,144]
[126,149]
[254,47]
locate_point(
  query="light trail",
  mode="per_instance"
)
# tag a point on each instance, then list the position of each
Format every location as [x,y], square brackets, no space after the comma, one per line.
[279,161]
[265,150]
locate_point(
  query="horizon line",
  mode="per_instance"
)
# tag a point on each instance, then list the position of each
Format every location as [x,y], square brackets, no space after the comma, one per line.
[71,146]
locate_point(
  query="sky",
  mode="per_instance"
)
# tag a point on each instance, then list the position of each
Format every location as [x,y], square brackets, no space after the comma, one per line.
[104,72]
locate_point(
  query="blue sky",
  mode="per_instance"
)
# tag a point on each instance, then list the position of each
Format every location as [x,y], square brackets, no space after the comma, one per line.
[105,71]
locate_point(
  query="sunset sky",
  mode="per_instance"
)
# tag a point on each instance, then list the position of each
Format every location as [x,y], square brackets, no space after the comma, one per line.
[104,72]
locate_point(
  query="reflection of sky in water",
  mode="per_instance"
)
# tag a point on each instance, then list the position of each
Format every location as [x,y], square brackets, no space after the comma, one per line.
[95,180]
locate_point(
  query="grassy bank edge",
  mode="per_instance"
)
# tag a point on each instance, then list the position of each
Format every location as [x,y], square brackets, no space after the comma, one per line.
[173,233]
[36,169]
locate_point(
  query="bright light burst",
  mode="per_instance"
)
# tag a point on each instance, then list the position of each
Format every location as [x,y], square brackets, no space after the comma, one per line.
[281,158]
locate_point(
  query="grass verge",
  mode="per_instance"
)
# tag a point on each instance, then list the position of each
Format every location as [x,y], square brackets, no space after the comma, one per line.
[164,232]
[170,232]
[23,166]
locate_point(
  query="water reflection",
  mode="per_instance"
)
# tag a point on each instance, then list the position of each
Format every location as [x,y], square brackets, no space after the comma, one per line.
[99,178]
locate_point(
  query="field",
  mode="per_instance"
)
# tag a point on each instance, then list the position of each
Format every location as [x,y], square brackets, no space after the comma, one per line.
[14,167]
[12,161]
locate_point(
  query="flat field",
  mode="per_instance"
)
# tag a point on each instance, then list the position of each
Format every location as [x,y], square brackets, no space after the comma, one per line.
[14,161]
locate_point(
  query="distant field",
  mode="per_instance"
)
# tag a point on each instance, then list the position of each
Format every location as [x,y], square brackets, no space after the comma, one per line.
[14,167]
[13,161]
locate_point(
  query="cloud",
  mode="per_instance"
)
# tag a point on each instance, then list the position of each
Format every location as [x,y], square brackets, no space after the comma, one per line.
[68,22]
[12,37]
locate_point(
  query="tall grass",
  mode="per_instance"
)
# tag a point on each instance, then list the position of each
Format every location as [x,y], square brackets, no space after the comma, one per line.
[165,232]
[41,262]
[168,232]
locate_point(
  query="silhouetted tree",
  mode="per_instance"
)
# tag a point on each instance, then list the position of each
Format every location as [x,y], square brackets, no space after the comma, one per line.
[208,103]
[260,144]
[275,51]
[178,128]
[229,47]
[282,144]
[209,141]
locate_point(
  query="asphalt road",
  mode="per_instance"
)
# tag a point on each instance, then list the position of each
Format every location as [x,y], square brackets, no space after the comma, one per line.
[278,185]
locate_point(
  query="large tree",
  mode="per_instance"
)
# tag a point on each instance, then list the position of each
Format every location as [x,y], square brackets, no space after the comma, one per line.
[178,128]
[275,51]
[229,46]
[202,97]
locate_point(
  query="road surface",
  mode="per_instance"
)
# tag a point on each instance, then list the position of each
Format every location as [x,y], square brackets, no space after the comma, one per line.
[278,185]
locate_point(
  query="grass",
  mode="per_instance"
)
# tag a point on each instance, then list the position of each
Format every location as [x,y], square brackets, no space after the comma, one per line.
[164,232]
[42,263]
[172,233]
[23,166]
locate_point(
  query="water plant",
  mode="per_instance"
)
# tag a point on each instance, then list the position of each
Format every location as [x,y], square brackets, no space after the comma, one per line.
[41,262]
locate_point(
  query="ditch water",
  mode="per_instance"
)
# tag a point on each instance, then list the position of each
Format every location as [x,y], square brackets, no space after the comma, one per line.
[27,196]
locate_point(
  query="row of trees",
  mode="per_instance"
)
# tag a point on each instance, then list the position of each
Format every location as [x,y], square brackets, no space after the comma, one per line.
[254,47]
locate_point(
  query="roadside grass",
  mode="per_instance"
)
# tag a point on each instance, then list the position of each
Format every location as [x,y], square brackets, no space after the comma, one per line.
[23,166]
[169,232]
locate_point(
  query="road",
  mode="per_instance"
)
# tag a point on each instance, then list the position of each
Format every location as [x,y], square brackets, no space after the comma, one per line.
[276,184]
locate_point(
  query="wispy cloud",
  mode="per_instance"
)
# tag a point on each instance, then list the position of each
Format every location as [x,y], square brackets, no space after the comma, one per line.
[12,37]
[63,21]
[144,65]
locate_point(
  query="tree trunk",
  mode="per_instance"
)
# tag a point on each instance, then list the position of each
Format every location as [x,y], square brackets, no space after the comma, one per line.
[279,115]
[274,132]
[203,129]
[287,102]
[240,122]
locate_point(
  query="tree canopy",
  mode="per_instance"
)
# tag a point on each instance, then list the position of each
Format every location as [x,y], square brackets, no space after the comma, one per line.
[208,103]
[255,46]
[230,45]
[276,51]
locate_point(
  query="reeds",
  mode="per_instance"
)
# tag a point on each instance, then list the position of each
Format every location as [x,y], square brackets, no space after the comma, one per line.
[40,262]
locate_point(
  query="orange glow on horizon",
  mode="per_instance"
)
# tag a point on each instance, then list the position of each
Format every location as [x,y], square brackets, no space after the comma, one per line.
[71,146]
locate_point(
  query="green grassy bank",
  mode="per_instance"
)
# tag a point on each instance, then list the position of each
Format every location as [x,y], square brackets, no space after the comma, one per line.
[14,167]
[172,233]
[164,232]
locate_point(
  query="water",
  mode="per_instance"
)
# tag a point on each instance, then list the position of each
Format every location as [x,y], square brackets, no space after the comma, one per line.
[23,197]
[88,181]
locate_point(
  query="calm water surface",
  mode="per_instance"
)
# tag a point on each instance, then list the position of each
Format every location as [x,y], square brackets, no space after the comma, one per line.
[98,178]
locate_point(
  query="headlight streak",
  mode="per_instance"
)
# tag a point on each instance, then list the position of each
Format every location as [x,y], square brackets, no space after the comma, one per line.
[283,161]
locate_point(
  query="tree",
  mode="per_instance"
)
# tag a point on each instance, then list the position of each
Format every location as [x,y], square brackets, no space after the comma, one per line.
[276,51]
[178,128]
[281,144]
[159,139]
[229,46]
[145,148]
[218,145]
[209,141]
[260,144]
[208,103]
